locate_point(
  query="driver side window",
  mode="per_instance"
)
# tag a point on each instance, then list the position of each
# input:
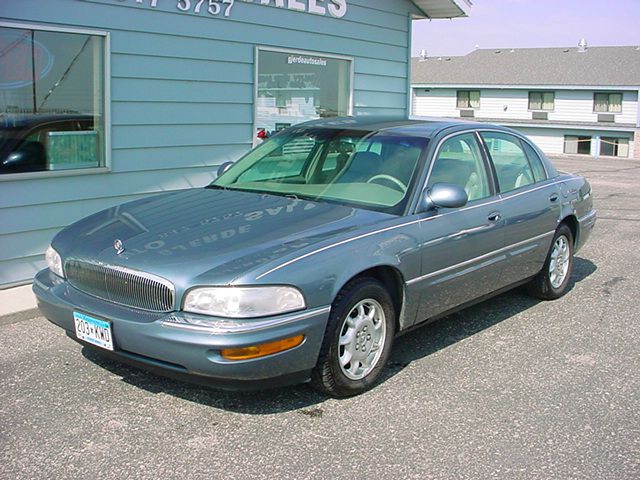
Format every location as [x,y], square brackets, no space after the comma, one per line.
[459,161]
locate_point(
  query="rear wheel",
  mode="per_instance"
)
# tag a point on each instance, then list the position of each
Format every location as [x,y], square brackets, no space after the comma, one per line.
[553,280]
[358,339]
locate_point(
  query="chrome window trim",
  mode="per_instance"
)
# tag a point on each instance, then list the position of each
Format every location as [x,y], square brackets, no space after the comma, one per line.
[481,257]
[223,326]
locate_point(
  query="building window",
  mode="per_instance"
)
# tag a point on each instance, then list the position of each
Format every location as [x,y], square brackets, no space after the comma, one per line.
[607,102]
[577,145]
[468,99]
[295,87]
[542,101]
[614,147]
[52,99]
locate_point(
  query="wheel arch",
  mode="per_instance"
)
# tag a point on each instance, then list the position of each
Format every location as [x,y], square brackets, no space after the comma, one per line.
[571,221]
[392,280]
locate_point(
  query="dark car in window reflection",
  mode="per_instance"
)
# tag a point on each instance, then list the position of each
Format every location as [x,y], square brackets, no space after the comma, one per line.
[34,143]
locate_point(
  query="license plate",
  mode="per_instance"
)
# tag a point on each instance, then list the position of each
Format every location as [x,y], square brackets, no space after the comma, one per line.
[94,331]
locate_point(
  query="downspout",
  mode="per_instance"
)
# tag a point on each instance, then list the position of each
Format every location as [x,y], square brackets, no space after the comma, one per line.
[409,43]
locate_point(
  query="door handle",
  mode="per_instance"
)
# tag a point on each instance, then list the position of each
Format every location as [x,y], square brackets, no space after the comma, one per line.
[554,197]
[494,217]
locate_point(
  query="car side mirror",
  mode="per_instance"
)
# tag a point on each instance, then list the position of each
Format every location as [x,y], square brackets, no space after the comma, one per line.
[443,195]
[224,167]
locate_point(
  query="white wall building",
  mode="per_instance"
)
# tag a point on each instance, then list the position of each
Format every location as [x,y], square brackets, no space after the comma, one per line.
[567,100]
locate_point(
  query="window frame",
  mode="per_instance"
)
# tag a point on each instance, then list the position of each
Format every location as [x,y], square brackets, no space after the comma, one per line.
[608,94]
[541,93]
[517,140]
[469,106]
[529,151]
[616,146]
[486,161]
[106,72]
[578,140]
[293,51]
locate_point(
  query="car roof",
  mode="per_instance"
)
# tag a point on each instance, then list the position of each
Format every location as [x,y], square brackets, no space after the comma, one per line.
[423,127]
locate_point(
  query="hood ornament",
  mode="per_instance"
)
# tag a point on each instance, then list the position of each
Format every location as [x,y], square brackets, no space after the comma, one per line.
[118,245]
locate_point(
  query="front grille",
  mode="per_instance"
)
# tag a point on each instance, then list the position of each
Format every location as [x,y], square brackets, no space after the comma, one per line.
[121,285]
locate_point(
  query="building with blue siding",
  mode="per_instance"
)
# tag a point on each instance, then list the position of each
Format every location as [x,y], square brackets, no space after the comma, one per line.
[105,101]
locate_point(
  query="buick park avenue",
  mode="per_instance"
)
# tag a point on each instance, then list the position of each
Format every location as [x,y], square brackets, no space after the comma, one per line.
[304,259]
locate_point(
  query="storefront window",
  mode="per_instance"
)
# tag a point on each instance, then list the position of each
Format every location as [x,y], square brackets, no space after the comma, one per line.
[614,147]
[51,100]
[295,87]
[577,145]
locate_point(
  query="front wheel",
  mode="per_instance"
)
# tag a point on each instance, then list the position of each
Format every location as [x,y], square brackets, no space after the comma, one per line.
[553,280]
[357,341]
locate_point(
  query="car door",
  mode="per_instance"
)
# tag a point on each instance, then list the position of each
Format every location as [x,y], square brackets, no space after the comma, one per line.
[531,204]
[459,245]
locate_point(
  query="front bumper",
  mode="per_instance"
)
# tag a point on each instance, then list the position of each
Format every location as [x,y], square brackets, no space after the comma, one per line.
[175,344]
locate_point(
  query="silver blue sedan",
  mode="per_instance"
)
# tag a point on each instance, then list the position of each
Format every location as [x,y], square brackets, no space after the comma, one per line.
[304,259]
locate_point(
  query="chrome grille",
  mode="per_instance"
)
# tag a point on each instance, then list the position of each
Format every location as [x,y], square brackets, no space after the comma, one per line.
[121,285]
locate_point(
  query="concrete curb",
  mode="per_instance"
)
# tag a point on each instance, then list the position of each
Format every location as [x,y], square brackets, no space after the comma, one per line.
[16,300]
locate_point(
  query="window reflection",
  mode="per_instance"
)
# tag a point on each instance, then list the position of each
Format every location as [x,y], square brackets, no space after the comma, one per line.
[51,100]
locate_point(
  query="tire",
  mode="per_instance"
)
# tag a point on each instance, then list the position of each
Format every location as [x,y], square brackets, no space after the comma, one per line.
[553,280]
[362,317]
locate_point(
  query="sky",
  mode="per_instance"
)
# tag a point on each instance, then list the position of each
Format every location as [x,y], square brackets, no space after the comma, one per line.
[530,23]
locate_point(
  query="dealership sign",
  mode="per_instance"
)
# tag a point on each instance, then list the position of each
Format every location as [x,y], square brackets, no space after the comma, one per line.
[333,8]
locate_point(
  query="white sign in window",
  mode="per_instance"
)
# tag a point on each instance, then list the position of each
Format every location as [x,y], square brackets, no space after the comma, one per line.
[297,87]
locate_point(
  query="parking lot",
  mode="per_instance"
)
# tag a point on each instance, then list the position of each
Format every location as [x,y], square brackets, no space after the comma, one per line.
[511,388]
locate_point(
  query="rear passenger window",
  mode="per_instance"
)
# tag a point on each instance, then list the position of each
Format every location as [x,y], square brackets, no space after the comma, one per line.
[509,159]
[536,164]
[459,161]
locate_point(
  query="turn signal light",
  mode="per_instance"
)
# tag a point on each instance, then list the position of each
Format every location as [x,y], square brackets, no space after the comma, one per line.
[262,350]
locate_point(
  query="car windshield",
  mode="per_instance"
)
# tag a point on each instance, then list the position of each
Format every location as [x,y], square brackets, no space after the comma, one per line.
[373,170]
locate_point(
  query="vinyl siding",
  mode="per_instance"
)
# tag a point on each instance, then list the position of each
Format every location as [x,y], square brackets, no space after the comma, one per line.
[570,105]
[182,93]
[434,102]
[551,141]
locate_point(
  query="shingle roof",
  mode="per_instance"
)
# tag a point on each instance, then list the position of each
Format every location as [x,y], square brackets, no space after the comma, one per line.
[601,66]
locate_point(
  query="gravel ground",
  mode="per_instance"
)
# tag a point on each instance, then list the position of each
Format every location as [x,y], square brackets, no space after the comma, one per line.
[512,388]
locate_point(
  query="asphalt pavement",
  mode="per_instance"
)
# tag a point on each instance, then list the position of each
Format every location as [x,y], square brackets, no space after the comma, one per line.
[512,388]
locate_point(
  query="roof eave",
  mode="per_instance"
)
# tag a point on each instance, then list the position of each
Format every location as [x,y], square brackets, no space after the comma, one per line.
[526,86]
[437,9]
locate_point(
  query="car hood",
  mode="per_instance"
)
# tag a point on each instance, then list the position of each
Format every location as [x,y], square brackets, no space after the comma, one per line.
[205,235]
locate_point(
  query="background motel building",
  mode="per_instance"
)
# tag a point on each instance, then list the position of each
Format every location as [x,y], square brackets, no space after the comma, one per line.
[110,100]
[581,100]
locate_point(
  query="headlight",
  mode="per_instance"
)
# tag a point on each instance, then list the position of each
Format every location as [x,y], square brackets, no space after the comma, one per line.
[244,302]
[54,262]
